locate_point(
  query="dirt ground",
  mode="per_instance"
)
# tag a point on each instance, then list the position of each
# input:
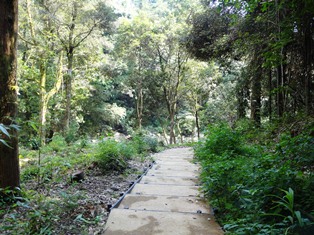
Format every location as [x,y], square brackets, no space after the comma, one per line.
[84,207]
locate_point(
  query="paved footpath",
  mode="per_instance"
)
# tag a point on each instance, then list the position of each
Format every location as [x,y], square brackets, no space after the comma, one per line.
[166,201]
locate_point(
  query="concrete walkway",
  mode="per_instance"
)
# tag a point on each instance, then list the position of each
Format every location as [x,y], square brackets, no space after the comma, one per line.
[165,201]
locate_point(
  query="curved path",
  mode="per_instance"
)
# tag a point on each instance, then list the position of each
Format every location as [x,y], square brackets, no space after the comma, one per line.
[166,201]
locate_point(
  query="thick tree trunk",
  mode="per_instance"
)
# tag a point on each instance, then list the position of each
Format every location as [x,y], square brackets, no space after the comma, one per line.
[9,162]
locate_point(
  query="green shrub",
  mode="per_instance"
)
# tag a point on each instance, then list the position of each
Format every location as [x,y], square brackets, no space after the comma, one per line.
[57,144]
[138,142]
[238,178]
[127,150]
[110,157]
[299,149]
[72,134]
[152,143]
[220,140]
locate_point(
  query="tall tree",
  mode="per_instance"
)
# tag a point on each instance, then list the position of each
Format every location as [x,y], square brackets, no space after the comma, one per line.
[280,50]
[76,24]
[9,162]
[200,82]
[39,38]
[134,45]
[172,60]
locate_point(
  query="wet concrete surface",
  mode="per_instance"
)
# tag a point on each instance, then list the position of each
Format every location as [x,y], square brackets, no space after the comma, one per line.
[166,201]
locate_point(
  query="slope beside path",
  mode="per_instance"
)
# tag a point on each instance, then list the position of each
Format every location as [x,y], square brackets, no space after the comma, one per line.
[166,201]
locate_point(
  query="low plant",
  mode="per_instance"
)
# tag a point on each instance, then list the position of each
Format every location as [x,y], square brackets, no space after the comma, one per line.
[285,208]
[237,176]
[57,144]
[145,143]
[109,156]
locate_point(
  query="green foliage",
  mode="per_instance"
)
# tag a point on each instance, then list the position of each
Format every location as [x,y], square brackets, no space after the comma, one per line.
[298,149]
[144,143]
[286,203]
[110,156]
[220,140]
[72,134]
[4,130]
[113,155]
[40,213]
[57,144]
[57,159]
[238,178]
[127,150]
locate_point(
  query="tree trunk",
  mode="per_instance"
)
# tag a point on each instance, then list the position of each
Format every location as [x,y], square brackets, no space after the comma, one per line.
[241,103]
[256,87]
[43,106]
[279,92]
[180,132]
[256,100]
[165,135]
[172,125]
[197,124]
[270,88]
[68,89]
[139,106]
[9,162]
[70,55]
[308,61]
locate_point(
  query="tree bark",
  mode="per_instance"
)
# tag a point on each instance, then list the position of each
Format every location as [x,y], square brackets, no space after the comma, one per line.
[172,125]
[9,162]
[197,124]
[68,90]
[70,43]
[139,104]
[43,106]
[279,92]
[256,87]
[270,88]
[70,55]
[241,103]
[45,96]
[308,57]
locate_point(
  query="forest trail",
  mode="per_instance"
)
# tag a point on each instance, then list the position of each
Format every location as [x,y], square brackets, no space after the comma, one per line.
[165,201]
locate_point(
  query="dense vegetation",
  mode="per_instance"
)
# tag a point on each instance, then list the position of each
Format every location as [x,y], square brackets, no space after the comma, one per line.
[102,84]
[259,181]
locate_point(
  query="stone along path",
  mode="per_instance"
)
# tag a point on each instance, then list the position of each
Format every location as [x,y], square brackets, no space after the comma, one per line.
[165,201]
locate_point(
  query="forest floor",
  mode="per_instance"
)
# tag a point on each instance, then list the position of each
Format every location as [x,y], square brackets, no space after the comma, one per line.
[82,207]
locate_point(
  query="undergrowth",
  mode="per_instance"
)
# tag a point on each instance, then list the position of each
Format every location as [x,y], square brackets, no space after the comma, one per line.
[48,195]
[259,185]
